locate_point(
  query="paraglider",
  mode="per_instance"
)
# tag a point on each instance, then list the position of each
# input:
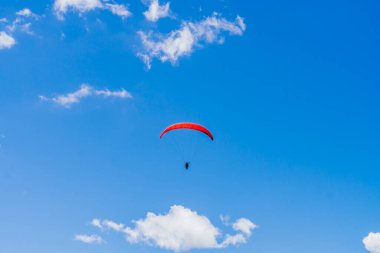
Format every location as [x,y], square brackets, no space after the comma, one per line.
[188,126]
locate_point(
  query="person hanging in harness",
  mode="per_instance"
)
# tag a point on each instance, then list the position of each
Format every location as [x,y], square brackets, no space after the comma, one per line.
[187,165]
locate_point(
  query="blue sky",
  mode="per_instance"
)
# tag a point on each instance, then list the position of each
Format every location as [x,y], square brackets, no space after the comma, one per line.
[289,90]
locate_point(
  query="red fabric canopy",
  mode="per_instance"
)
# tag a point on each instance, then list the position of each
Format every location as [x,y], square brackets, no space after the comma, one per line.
[188,125]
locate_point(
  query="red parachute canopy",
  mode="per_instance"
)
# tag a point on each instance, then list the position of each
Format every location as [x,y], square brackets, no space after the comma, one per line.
[187,125]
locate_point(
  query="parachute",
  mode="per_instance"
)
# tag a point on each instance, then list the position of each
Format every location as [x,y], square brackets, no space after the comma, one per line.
[187,125]
[182,144]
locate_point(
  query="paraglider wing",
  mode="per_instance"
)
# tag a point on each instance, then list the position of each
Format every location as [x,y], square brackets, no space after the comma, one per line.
[188,125]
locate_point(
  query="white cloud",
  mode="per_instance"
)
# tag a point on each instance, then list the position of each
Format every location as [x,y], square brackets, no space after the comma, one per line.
[119,10]
[233,240]
[22,22]
[6,40]
[372,242]
[108,224]
[183,41]
[96,223]
[26,12]
[84,91]
[241,23]
[180,229]
[120,93]
[89,239]
[157,11]
[71,98]
[61,7]
[244,225]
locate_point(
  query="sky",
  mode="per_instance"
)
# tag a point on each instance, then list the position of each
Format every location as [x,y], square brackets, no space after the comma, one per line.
[289,90]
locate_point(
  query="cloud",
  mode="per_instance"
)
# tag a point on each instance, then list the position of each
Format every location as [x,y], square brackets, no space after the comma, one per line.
[6,40]
[2,137]
[107,225]
[89,239]
[22,22]
[107,93]
[71,98]
[180,229]
[372,242]
[118,9]
[84,91]
[96,223]
[61,7]
[157,11]
[183,41]
[26,12]
[26,28]
[225,219]
[233,240]
[244,225]
[14,25]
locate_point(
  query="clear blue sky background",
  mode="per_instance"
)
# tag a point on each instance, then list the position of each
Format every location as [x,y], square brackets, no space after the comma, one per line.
[293,104]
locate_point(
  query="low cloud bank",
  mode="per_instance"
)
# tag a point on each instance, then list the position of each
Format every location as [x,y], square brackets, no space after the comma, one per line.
[180,229]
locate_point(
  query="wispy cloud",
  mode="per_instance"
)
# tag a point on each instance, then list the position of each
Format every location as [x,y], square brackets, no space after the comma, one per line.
[61,7]
[180,229]
[108,225]
[119,93]
[225,219]
[372,242]
[85,90]
[2,137]
[89,239]
[168,47]
[22,22]
[26,12]
[157,11]
[183,41]
[118,9]
[233,240]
